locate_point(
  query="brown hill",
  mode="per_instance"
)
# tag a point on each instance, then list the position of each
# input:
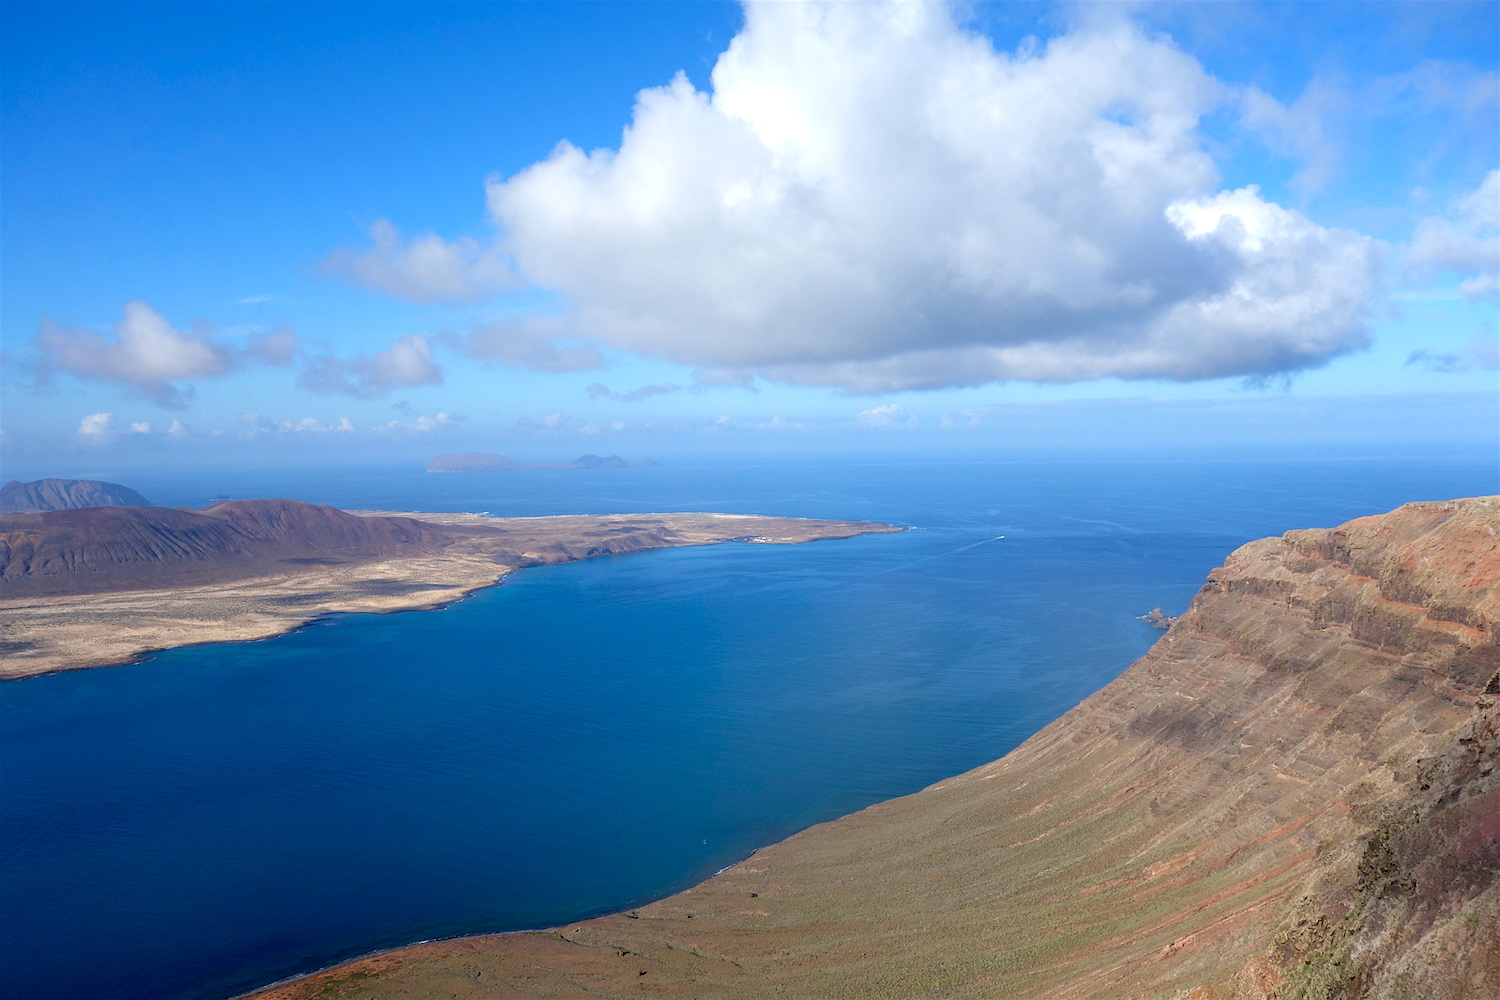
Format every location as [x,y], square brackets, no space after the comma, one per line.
[1293,795]
[101,549]
[66,494]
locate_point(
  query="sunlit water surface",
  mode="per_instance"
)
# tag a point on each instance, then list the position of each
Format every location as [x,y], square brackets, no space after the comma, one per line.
[589,737]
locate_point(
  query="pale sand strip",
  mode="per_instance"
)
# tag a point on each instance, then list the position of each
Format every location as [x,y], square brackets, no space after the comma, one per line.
[67,633]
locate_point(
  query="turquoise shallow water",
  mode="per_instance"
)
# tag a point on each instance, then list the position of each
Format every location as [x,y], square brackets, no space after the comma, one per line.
[591,736]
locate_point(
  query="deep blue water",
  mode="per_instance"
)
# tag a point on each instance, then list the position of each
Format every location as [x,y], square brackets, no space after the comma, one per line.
[591,736]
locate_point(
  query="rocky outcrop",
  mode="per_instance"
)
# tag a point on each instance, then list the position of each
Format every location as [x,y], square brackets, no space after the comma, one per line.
[66,494]
[1156,619]
[1411,909]
[1292,795]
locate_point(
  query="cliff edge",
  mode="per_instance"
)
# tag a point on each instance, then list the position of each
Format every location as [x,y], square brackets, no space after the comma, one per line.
[1294,794]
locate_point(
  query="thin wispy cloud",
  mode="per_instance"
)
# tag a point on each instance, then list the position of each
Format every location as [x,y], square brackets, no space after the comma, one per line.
[536,343]
[1300,129]
[1481,353]
[599,390]
[1466,240]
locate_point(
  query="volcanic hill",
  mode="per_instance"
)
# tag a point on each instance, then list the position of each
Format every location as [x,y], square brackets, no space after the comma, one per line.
[66,494]
[100,549]
[1293,795]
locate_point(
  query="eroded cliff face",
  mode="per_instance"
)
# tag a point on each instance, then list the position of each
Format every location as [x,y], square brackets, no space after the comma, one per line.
[1292,795]
[1412,907]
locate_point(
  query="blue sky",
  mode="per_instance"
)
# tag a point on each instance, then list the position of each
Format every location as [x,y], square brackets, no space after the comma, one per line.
[290,232]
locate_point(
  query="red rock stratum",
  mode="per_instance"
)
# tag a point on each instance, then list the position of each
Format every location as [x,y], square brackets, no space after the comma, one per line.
[1292,795]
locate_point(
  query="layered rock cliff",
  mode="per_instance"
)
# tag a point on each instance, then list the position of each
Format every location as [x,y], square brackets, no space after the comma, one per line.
[1292,795]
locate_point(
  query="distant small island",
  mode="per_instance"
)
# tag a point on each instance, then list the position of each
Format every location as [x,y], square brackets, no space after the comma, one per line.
[483,461]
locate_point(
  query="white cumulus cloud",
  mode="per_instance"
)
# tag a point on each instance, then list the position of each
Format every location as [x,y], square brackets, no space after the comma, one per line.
[259,424]
[424,268]
[406,363]
[889,415]
[97,428]
[872,197]
[147,354]
[421,425]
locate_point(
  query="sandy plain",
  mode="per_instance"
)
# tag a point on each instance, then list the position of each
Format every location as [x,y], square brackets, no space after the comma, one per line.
[41,635]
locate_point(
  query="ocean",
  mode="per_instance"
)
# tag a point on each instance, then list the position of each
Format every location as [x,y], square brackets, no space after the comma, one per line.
[589,737]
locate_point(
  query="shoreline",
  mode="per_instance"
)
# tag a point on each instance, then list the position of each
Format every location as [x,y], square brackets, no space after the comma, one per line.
[398,950]
[50,634]
[252,633]
[1116,842]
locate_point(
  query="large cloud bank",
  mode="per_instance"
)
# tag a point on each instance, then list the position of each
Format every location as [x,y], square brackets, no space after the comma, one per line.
[874,198]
